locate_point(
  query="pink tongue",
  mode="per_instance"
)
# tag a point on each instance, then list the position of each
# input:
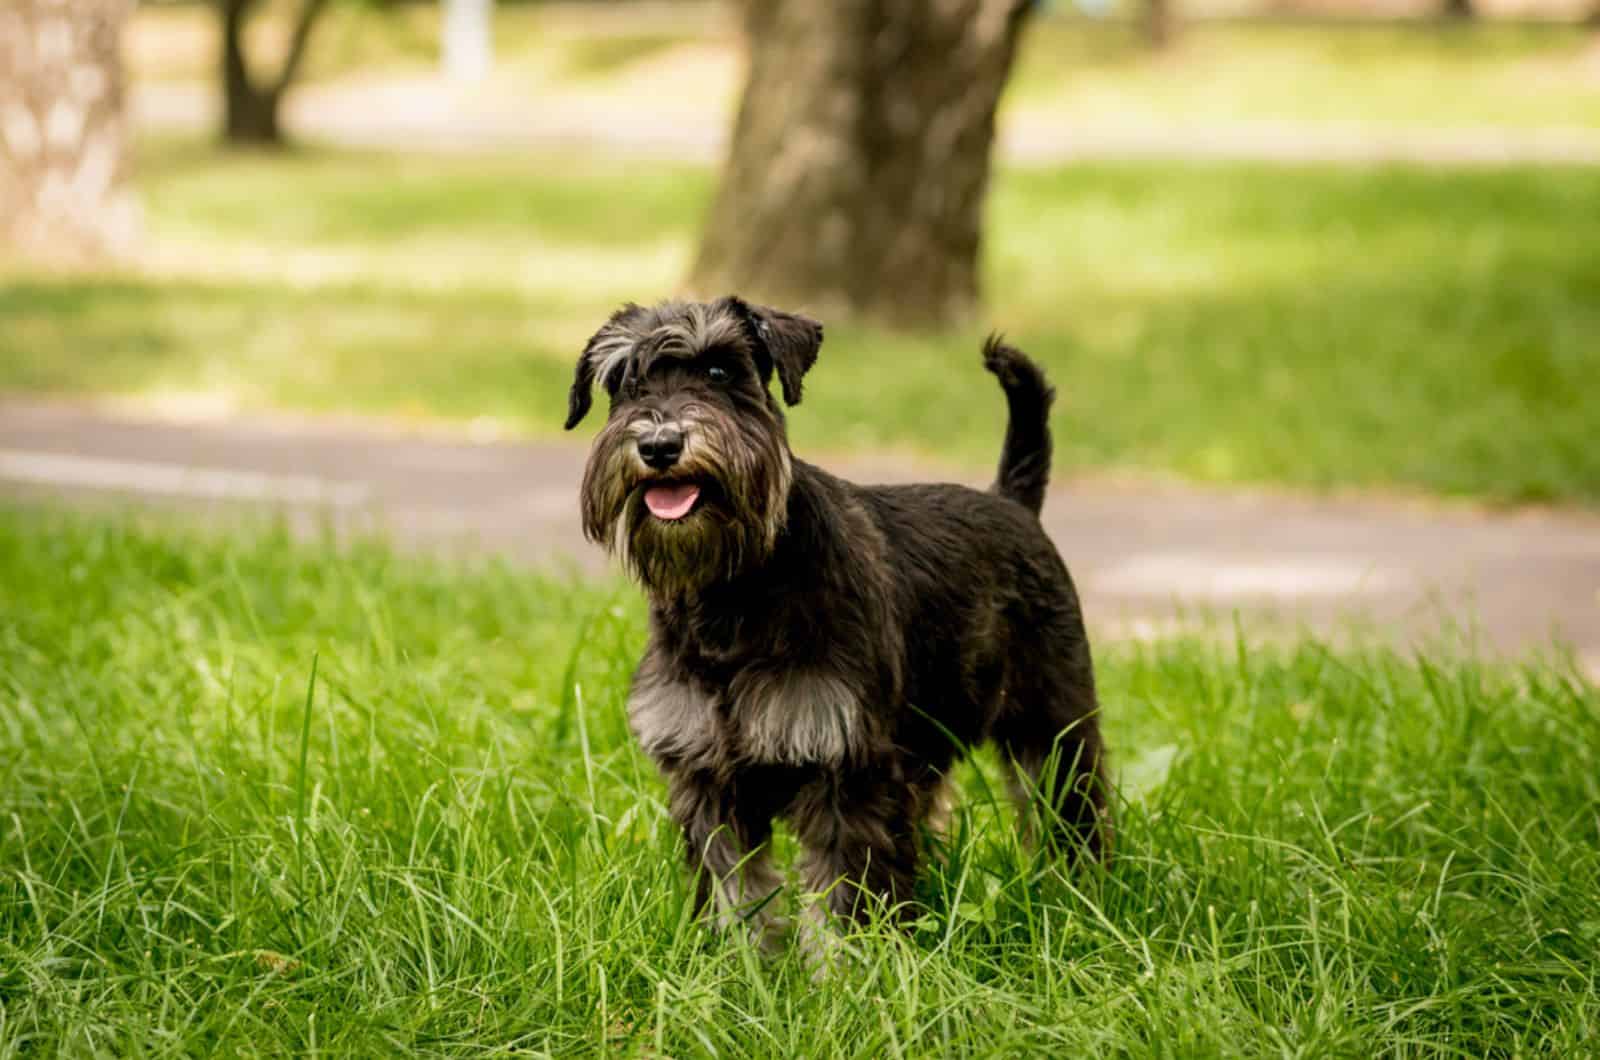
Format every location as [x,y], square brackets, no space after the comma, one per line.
[671,502]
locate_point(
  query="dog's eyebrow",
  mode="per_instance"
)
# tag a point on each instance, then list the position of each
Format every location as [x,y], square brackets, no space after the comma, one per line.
[613,373]
[611,355]
[675,340]
[696,331]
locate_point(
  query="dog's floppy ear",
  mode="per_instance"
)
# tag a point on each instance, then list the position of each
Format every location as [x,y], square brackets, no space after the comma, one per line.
[614,340]
[787,341]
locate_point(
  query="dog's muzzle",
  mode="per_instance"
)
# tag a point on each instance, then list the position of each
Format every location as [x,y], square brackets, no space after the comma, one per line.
[660,448]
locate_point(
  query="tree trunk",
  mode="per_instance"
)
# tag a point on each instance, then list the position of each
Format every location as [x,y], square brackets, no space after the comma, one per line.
[249,114]
[860,156]
[64,189]
[251,104]
[250,117]
[1458,8]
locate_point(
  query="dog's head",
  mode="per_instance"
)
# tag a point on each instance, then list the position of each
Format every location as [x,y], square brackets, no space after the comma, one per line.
[689,479]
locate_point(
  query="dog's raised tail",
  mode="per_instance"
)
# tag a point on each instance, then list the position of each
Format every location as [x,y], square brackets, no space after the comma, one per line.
[1025,459]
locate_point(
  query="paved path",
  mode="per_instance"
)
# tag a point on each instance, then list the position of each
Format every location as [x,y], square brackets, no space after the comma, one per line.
[1146,560]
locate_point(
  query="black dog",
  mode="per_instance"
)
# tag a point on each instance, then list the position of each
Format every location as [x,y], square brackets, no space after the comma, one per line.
[822,651]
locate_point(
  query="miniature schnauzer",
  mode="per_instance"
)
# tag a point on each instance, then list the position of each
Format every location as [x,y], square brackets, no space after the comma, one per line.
[820,651]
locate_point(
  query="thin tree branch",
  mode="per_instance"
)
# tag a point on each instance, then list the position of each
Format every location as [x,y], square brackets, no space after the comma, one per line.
[309,10]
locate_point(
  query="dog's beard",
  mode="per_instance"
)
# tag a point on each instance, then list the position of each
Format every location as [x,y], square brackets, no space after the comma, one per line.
[743,476]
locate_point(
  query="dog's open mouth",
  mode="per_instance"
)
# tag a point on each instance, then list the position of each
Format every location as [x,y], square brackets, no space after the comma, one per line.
[671,500]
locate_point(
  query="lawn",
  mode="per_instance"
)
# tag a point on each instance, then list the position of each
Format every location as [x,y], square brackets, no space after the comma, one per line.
[267,798]
[1383,75]
[1317,326]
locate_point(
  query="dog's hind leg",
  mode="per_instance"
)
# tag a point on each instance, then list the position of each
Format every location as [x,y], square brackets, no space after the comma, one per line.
[1058,775]
[726,843]
[1061,783]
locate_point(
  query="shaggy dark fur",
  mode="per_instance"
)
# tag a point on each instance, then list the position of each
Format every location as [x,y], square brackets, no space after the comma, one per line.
[822,651]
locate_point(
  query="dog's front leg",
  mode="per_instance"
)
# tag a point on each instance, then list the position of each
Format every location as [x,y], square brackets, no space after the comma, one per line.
[858,830]
[726,846]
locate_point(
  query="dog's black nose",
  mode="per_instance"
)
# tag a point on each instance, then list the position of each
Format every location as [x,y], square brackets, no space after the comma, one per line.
[661,447]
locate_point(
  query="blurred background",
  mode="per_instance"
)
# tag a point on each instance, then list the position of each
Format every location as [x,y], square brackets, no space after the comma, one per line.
[1350,247]
[1319,284]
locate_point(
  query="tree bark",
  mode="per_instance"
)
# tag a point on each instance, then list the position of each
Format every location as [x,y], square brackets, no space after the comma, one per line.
[1458,8]
[251,104]
[64,162]
[860,156]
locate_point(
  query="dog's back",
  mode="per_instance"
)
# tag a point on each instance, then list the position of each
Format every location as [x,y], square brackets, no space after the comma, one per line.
[994,641]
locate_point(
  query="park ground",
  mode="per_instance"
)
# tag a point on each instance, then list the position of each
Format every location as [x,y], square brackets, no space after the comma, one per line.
[1322,326]
[269,792]
[680,63]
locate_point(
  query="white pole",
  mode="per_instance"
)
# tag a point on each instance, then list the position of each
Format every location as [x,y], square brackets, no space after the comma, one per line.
[468,52]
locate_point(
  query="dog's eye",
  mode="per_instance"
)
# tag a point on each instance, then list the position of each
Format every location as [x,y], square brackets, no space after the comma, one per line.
[717,374]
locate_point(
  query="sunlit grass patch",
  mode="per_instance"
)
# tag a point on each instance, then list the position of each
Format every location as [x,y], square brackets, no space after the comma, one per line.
[1392,75]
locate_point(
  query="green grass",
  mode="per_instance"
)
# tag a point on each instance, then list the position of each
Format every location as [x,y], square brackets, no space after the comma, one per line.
[1319,326]
[446,843]
[601,55]
[1391,75]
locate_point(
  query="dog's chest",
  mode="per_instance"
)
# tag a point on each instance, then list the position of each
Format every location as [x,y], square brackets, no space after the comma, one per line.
[766,717]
